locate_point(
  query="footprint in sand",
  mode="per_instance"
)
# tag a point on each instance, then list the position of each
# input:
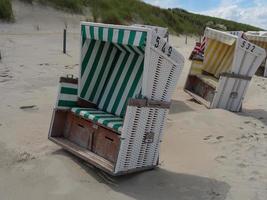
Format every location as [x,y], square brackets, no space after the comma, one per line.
[252,179]
[242,165]
[207,137]
[25,156]
[220,159]
[255,172]
[5,75]
[219,137]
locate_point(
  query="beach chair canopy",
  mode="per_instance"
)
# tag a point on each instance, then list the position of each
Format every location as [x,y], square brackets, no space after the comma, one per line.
[117,63]
[219,52]
[226,52]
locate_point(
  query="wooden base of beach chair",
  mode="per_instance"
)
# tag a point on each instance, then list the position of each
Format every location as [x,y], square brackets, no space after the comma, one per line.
[201,88]
[86,139]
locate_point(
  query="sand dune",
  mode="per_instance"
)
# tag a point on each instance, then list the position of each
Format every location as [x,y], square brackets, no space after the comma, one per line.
[205,154]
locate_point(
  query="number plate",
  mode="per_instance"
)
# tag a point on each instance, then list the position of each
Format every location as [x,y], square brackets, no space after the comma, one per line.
[249,47]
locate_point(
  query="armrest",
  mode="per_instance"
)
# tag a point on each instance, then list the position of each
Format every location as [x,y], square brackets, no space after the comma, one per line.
[149,103]
[67,93]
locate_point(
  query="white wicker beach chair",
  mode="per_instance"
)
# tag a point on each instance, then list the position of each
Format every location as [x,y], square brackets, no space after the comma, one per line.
[113,115]
[261,41]
[221,80]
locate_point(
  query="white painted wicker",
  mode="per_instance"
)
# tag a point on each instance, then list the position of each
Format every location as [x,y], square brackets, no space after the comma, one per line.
[136,149]
[231,90]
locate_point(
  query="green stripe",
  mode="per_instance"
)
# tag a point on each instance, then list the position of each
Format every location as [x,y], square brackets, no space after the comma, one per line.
[133,87]
[78,110]
[120,36]
[143,39]
[117,126]
[94,112]
[103,117]
[62,103]
[131,37]
[87,56]
[105,122]
[86,115]
[83,34]
[115,81]
[100,33]
[110,34]
[65,90]
[114,62]
[124,83]
[93,69]
[141,49]
[103,68]
[134,50]
[92,34]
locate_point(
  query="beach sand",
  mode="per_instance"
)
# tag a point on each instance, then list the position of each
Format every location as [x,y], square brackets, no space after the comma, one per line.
[205,154]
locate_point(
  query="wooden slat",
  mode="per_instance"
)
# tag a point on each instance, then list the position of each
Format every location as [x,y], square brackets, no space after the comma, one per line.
[84,154]
[198,98]
[68,80]
[149,103]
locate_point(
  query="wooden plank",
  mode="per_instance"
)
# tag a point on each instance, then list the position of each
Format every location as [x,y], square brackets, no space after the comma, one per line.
[106,144]
[237,76]
[149,103]
[68,80]
[85,154]
[198,98]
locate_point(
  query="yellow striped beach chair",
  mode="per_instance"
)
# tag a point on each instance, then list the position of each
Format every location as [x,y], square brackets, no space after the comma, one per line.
[113,115]
[221,80]
[261,41]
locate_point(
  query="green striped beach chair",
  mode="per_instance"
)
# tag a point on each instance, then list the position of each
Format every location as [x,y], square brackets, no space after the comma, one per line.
[221,80]
[113,115]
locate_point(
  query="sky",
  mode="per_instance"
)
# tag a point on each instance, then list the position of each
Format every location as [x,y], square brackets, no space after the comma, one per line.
[252,12]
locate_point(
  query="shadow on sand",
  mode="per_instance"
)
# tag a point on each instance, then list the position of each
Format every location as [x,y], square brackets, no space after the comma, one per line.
[179,107]
[258,114]
[158,184]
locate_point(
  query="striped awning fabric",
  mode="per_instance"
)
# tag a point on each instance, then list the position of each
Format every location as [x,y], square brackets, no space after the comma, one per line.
[112,62]
[220,36]
[258,40]
[114,35]
[101,117]
[67,96]
[218,57]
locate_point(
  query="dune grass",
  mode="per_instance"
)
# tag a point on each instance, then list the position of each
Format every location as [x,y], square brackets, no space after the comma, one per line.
[177,20]
[6,12]
[75,6]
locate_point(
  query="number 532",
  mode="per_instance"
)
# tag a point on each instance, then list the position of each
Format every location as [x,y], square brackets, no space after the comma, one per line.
[248,46]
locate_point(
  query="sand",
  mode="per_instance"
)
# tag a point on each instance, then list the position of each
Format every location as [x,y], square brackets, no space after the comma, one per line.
[205,154]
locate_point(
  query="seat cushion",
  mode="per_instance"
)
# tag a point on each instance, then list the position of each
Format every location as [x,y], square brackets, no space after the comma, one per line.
[101,117]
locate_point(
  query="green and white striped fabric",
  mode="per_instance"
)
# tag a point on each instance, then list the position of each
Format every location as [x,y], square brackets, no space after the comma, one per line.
[67,95]
[112,67]
[113,35]
[101,117]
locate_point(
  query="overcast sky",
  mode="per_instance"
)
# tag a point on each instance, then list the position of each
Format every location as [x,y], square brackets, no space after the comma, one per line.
[252,12]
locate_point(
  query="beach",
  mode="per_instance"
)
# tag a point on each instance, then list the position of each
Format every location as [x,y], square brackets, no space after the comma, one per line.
[205,154]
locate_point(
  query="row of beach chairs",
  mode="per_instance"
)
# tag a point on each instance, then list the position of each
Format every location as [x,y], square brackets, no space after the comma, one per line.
[113,114]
